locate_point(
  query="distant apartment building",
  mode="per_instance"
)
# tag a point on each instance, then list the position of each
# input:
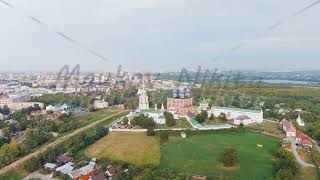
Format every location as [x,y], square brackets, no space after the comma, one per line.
[100,104]
[19,101]
[180,102]
[20,97]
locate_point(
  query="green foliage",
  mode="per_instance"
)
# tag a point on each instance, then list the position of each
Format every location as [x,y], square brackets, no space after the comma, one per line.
[31,164]
[202,117]
[222,117]
[6,132]
[164,137]
[125,120]
[151,132]
[229,157]
[62,98]
[5,110]
[125,96]
[169,119]
[143,122]
[285,165]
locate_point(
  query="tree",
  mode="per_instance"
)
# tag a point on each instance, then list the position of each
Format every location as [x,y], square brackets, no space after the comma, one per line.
[211,116]
[143,121]
[5,110]
[222,117]
[285,164]
[169,119]
[229,157]
[202,117]
[151,132]
[6,132]
[31,164]
[125,121]
[284,174]
[164,137]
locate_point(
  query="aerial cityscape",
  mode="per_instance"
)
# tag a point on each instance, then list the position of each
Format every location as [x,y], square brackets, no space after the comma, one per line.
[159,90]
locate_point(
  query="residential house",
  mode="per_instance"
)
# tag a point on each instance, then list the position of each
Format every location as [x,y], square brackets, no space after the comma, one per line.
[64,159]
[99,176]
[288,128]
[303,139]
[84,173]
[65,169]
[50,166]
[100,104]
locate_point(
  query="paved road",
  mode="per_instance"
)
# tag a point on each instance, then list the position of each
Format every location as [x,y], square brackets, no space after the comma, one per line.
[17,163]
[38,175]
[296,154]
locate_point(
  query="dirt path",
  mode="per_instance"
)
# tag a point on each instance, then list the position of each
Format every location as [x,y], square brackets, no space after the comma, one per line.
[296,154]
[17,163]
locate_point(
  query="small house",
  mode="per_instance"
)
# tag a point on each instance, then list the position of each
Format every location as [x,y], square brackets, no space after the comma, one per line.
[50,166]
[288,128]
[64,159]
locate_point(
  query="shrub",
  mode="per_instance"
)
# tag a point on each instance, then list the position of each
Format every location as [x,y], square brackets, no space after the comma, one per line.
[151,132]
[229,157]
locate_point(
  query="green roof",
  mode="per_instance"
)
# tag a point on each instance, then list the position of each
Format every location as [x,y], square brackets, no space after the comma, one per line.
[237,109]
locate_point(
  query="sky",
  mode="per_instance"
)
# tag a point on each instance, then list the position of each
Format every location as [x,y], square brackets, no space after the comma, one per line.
[159,35]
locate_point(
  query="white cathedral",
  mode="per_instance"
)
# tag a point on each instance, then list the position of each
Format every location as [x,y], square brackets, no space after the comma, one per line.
[143,98]
[155,114]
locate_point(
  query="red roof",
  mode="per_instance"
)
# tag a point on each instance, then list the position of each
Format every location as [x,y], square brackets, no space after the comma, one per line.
[301,135]
[306,142]
[304,138]
[288,125]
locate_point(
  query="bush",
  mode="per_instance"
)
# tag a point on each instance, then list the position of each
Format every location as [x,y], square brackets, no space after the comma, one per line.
[202,117]
[169,119]
[164,137]
[229,157]
[151,132]
[31,165]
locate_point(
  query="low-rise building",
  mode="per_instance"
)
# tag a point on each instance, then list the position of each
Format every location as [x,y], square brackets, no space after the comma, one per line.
[85,172]
[288,128]
[100,104]
[303,139]
[244,116]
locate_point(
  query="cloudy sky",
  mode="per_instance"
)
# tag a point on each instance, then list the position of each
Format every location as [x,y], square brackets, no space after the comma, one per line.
[159,35]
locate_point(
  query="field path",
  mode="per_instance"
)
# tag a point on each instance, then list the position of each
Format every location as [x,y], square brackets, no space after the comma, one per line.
[17,163]
[296,154]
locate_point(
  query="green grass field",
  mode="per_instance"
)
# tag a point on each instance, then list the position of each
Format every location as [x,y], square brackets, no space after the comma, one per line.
[132,147]
[267,127]
[200,154]
[91,117]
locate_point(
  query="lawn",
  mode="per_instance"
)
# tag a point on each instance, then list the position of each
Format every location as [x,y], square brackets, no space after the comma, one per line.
[132,147]
[91,117]
[200,154]
[267,126]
